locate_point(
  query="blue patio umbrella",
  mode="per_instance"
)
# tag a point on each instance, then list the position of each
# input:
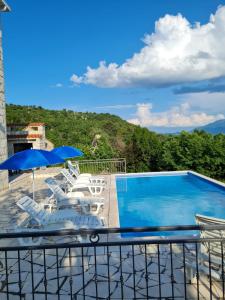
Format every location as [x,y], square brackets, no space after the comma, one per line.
[31,159]
[67,152]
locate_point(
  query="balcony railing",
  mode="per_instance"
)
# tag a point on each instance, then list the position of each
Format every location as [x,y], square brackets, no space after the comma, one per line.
[17,132]
[103,166]
[114,268]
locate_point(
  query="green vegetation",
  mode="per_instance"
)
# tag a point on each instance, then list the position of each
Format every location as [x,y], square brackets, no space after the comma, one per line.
[108,136]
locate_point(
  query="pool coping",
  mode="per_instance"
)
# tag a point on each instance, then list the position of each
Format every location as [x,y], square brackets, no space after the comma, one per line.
[114,209]
[171,173]
[214,181]
[113,220]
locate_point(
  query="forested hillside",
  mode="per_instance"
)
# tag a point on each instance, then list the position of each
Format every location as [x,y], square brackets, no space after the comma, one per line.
[98,135]
[108,136]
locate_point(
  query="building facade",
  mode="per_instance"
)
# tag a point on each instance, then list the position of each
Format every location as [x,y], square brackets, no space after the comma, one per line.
[27,136]
[3,139]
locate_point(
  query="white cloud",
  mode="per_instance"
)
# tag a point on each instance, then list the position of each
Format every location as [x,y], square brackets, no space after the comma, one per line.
[177,116]
[209,102]
[75,79]
[57,85]
[176,52]
[117,106]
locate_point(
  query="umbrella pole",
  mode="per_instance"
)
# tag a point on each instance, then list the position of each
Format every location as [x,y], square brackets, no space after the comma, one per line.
[33,182]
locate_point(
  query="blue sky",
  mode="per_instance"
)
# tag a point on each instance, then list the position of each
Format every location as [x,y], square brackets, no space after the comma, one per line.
[176,80]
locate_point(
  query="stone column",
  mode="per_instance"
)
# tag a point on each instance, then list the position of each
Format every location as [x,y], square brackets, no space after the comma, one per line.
[3,133]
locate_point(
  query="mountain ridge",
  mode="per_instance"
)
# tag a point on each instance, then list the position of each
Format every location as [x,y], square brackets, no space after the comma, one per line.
[214,127]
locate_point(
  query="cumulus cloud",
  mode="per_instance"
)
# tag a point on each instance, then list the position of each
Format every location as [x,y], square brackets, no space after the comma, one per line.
[211,103]
[177,116]
[176,52]
[75,79]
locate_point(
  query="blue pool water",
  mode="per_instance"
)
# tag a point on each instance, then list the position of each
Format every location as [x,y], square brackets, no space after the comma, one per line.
[167,200]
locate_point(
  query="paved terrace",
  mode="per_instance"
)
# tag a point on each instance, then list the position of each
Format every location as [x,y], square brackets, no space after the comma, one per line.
[21,185]
[95,272]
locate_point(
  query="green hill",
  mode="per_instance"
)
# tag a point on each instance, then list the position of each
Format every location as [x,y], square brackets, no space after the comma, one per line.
[108,136]
[98,135]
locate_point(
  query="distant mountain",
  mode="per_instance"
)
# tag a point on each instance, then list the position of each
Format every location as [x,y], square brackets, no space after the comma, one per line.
[215,127]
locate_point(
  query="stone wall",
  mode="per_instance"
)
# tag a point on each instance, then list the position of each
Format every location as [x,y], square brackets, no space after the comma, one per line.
[25,136]
[3,139]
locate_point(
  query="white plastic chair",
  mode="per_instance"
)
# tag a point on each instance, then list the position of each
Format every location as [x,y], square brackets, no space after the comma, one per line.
[61,219]
[35,241]
[86,177]
[44,218]
[65,200]
[76,165]
[94,189]
[206,249]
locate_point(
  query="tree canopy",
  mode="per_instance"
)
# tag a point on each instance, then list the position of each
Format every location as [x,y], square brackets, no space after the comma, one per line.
[108,136]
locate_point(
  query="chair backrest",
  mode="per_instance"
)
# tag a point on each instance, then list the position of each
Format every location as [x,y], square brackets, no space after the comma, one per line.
[215,247]
[68,177]
[73,169]
[76,165]
[56,189]
[33,209]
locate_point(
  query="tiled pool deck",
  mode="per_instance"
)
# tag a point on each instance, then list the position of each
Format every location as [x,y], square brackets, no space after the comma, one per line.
[110,276]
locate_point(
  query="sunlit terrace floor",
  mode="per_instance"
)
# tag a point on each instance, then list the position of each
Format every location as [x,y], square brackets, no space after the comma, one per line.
[95,272]
[11,215]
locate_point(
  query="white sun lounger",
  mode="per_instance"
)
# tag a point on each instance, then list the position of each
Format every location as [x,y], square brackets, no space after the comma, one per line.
[205,249]
[43,217]
[74,171]
[74,198]
[33,241]
[74,185]
[61,219]
[76,165]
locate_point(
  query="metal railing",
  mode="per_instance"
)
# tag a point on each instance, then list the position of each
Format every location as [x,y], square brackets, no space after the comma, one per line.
[103,166]
[114,268]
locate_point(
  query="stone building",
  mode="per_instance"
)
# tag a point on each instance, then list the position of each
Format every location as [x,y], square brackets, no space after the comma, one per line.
[27,136]
[3,141]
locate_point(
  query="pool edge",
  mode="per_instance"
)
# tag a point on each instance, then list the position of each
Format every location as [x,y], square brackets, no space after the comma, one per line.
[113,202]
[171,173]
[206,178]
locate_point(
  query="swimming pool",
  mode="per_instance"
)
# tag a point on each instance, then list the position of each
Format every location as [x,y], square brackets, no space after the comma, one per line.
[171,199]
